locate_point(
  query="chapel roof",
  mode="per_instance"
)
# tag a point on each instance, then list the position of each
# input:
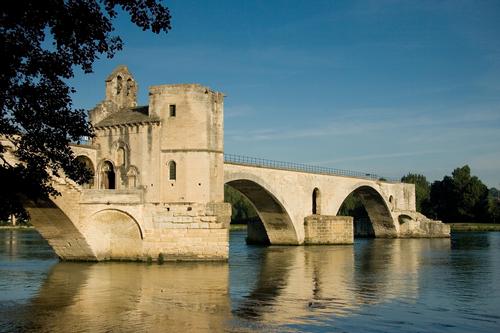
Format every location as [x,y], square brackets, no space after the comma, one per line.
[128,116]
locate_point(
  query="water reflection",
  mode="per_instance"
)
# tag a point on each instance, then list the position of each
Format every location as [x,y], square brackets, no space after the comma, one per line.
[132,297]
[393,285]
[297,282]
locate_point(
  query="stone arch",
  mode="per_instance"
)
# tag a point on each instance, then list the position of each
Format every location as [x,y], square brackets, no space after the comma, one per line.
[278,226]
[114,235]
[90,166]
[130,85]
[121,161]
[122,153]
[404,218]
[58,229]
[316,201]
[377,208]
[132,177]
[107,175]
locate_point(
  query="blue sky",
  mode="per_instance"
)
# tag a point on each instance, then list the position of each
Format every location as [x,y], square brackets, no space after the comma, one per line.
[382,86]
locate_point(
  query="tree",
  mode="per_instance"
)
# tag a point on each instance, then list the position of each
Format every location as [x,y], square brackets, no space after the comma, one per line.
[42,43]
[352,206]
[422,191]
[460,198]
[242,209]
[494,205]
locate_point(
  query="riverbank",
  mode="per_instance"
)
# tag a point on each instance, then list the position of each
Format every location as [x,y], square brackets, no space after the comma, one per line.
[472,227]
[15,227]
[234,227]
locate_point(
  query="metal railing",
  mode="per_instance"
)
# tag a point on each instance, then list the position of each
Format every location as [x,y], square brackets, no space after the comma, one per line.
[260,162]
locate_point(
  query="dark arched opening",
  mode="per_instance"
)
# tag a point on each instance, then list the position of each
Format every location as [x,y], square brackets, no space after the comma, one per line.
[272,225]
[316,202]
[108,176]
[118,85]
[87,163]
[372,217]
[172,170]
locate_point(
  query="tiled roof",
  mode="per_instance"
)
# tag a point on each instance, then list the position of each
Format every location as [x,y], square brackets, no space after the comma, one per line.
[135,115]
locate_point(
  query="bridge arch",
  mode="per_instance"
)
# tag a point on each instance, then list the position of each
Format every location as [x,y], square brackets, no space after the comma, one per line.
[378,209]
[114,235]
[272,212]
[67,241]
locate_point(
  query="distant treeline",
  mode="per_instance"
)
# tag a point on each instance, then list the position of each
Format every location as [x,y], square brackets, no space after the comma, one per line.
[457,198]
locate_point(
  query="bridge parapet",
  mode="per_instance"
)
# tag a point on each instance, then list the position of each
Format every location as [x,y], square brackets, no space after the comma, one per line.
[291,166]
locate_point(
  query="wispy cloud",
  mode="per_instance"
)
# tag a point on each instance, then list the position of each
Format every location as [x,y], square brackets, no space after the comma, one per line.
[365,157]
[238,111]
[378,122]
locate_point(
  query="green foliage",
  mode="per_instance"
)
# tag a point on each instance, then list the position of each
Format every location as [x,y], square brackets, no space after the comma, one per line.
[352,206]
[242,210]
[422,191]
[161,258]
[461,197]
[494,204]
[42,43]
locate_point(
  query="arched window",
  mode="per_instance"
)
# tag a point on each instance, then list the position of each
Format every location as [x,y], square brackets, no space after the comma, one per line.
[107,176]
[172,170]
[316,202]
[132,177]
[120,156]
[90,167]
[129,86]
[118,84]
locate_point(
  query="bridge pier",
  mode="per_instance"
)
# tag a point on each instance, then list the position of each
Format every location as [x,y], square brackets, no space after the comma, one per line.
[328,230]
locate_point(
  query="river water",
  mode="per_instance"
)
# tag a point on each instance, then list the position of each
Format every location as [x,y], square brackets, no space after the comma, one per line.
[399,285]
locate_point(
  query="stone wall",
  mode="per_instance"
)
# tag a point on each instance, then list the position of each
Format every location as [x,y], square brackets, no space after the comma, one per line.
[183,231]
[327,229]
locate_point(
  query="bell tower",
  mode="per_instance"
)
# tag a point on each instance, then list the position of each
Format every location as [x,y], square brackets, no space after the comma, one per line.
[121,93]
[121,88]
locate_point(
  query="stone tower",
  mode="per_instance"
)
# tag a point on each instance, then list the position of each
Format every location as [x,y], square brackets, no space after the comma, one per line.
[191,142]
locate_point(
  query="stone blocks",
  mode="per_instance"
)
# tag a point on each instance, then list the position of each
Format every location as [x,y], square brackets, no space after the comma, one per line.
[328,230]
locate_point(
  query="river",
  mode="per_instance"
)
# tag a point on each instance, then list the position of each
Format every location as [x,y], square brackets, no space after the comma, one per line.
[377,285]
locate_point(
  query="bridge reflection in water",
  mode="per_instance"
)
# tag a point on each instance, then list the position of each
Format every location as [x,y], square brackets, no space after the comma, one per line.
[260,288]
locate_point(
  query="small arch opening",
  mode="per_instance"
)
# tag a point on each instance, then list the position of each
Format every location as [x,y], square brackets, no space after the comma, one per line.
[132,177]
[316,202]
[120,156]
[130,84]
[87,163]
[118,85]
[172,170]
[108,176]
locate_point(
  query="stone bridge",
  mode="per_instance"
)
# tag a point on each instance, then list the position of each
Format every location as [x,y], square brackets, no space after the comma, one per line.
[296,205]
[158,187]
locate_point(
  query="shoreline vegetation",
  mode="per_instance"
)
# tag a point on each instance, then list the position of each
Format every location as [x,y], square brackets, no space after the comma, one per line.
[473,227]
